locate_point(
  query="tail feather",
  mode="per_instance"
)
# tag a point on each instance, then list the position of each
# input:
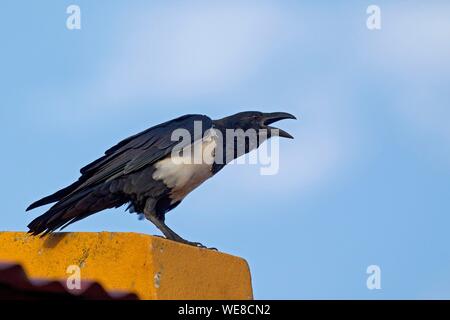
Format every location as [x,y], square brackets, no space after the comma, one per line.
[41,226]
[57,196]
[59,214]
[74,208]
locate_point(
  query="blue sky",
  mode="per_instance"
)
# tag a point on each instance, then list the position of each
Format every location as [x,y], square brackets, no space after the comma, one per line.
[366,180]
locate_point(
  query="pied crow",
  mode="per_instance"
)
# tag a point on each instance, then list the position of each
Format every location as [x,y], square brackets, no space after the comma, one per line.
[154,170]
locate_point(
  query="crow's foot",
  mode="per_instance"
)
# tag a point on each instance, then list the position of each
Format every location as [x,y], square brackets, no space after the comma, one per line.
[195,244]
[189,243]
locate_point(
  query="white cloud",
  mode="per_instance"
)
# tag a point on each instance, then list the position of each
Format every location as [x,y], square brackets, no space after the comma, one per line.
[412,53]
[413,38]
[427,110]
[187,51]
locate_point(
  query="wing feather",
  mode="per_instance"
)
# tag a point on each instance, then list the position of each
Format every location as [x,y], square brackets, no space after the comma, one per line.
[141,150]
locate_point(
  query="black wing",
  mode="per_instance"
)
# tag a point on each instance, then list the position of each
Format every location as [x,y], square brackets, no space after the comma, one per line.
[128,156]
[131,154]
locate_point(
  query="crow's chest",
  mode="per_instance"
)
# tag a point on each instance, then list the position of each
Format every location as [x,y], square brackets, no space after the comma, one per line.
[183,173]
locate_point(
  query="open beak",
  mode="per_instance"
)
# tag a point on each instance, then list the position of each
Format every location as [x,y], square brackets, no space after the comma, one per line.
[269,118]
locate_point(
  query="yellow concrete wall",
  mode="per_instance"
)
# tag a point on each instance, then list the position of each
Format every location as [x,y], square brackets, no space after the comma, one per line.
[152,267]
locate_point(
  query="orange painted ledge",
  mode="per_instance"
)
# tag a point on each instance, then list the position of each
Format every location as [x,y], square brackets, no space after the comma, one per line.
[151,267]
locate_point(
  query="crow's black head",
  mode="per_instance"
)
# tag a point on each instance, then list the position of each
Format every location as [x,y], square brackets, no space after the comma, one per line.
[258,121]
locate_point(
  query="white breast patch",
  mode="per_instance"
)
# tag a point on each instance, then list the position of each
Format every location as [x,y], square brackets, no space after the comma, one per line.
[182,173]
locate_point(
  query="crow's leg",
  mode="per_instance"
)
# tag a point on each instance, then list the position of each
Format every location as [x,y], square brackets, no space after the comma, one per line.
[170,234]
[158,221]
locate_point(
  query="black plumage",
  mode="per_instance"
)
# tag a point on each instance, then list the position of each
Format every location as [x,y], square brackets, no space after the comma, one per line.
[126,174]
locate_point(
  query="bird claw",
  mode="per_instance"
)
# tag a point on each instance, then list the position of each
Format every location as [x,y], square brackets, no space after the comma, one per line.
[198,245]
[189,243]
